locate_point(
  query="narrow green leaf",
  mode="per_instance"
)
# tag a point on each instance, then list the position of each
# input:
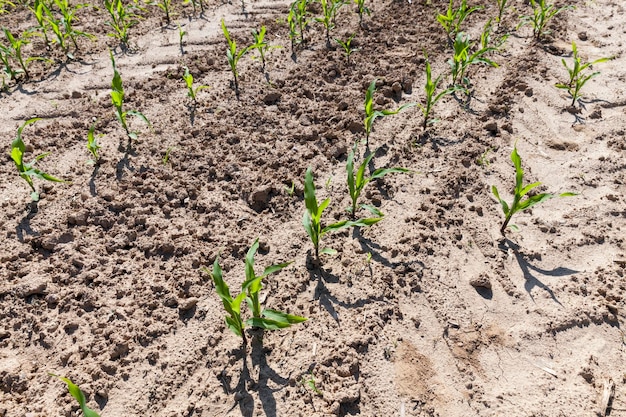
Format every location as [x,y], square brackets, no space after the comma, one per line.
[328,251]
[275,268]
[282,317]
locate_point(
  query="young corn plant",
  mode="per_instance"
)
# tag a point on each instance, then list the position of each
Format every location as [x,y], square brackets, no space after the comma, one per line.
[432,97]
[261,317]
[181,40]
[233,55]
[195,4]
[371,115]
[298,20]
[312,220]
[78,396]
[92,144]
[39,11]
[361,9]
[519,203]
[7,66]
[166,7]
[347,47]
[27,171]
[542,14]
[14,50]
[192,92]
[261,45]
[117,98]
[501,8]
[577,77]
[358,181]
[454,18]
[122,18]
[464,57]
[329,11]
[63,28]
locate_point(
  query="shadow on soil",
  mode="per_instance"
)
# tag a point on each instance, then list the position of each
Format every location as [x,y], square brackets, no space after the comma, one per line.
[528,269]
[266,374]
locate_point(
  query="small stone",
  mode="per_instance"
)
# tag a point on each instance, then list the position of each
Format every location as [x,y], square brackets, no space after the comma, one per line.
[36,286]
[304,120]
[582,36]
[396,87]
[491,127]
[272,98]
[482,281]
[259,198]
[188,304]
[529,92]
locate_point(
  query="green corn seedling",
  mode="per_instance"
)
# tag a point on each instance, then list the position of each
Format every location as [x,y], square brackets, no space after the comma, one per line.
[27,171]
[7,65]
[181,36]
[231,305]
[195,4]
[262,318]
[63,28]
[293,28]
[430,88]
[233,55]
[371,115]
[361,9]
[312,220]
[298,21]
[329,12]
[542,14]
[192,92]
[14,50]
[117,98]
[501,8]
[358,181]
[39,11]
[261,45]
[454,18]
[347,47]
[577,77]
[122,19]
[78,396]
[168,152]
[463,57]
[519,204]
[165,6]
[92,144]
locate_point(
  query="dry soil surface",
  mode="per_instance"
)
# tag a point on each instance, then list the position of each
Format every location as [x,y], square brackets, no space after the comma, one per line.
[430,312]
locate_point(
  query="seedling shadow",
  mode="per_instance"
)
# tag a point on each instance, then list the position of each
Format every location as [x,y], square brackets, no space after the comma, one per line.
[436,141]
[245,401]
[24,224]
[527,269]
[266,373]
[258,356]
[192,112]
[124,163]
[327,300]
[92,180]
[368,246]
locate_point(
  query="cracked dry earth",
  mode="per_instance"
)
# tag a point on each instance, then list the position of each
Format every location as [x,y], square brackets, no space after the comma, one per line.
[430,312]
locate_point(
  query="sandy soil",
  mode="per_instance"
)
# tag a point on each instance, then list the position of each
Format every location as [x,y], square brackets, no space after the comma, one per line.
[430,312]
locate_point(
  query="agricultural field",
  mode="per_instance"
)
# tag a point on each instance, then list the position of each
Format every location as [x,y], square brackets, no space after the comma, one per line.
[265,208]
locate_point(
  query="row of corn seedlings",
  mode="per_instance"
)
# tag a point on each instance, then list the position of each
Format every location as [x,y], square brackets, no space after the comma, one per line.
[313,223]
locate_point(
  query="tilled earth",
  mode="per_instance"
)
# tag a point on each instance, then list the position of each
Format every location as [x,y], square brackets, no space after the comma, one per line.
[430,312]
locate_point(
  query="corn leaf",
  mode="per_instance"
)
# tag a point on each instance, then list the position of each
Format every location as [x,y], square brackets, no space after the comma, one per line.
[78,396]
